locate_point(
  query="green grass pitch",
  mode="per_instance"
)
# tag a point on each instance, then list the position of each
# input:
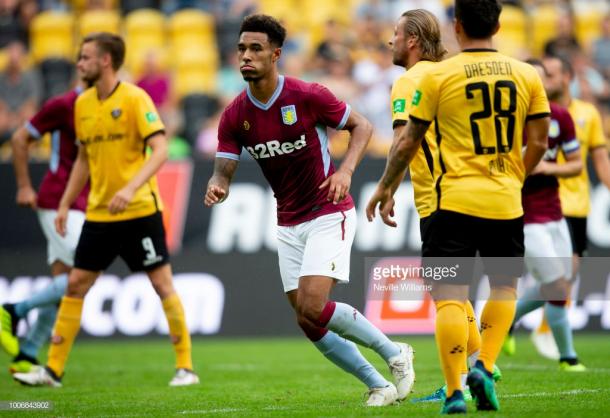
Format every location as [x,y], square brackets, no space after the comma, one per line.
[281,377]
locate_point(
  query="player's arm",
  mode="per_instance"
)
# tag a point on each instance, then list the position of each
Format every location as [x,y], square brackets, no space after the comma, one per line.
[601,163]
[339,183]
[401,153]
[572,166]
[537,131]
[158,144]
[78,179]
[399,131]
[218,185]
[20,141]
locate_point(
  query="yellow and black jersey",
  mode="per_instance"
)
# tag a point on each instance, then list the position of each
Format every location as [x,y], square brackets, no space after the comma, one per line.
[480,101]
[114,132]
[574,191]
[424,164]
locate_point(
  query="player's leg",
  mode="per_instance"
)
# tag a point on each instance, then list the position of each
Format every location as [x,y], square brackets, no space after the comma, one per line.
[61,257]
[556,290]
[161,279]
[501,244]
[343,353]
[327,254]
[145,250]
[450,235]
[97,248]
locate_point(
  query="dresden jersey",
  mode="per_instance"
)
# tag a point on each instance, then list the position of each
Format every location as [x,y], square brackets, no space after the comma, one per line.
[57,117]
[424,164]
[574,191]
[287,138]
[541,192]
[114,132]
[480,101]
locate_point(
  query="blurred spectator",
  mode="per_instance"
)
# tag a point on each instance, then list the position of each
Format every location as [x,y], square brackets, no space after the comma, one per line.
[588,84]
[375,76]
[20,92]
[601,49]
[11,26]
[565,43]
[156,82]
[231,80]
[337,74]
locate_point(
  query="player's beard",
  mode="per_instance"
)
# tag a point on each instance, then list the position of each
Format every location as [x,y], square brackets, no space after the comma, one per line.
[92,77]
[251,76]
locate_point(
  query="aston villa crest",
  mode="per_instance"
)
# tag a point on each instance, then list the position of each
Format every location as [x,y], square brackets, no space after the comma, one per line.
[289,115]
[116,113]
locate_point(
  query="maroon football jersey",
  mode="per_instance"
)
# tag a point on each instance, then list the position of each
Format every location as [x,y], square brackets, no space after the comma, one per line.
[287,137]
[541,192]
[57,117]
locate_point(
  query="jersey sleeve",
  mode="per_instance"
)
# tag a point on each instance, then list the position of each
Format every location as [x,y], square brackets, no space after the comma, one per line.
[147,117]
[228,144]
[401,97]
[596,137]
[569,142]
[77,126]
[424,103]
[539,103]
[48,118]
[327,109]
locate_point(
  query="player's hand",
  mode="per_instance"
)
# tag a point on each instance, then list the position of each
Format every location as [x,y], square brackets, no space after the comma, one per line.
[214,194]
[338,185]
[61,219]
[26,197]
[541,168]
[384,198]
[120,200]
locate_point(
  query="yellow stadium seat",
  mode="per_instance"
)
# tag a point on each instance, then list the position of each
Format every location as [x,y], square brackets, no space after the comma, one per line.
[99,21]
[543,26]
[191,23]
[52,36]
[194,80]
[79,6]
[511,39]
[145,31]
[588,26]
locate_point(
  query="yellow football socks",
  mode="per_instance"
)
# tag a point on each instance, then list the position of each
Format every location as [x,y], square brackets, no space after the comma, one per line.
[496,320]
[178,331]
[474,335]
[451,341]
[66,328]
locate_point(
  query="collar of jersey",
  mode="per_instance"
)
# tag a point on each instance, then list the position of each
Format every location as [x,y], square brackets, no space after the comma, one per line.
[480,50]
[274,96]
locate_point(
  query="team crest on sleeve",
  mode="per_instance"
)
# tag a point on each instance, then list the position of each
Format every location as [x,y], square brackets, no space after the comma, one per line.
[116,113]
[289,115]
[554,129]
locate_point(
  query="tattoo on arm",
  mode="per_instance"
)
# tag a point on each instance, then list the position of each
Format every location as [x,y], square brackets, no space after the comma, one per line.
[403,150]
[224,169]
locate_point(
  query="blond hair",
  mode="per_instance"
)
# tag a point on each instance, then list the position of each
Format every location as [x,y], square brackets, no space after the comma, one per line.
[425,26]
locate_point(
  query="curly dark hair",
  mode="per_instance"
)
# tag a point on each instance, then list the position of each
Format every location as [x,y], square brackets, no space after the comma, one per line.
[479,18]
[265,24]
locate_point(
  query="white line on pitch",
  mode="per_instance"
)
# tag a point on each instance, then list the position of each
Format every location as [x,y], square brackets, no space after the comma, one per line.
[546,394]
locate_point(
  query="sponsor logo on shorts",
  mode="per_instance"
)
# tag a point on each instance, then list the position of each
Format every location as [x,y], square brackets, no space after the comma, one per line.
[273,148]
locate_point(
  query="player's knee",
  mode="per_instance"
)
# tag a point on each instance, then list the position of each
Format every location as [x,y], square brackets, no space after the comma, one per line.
[310,310]
[557,291]
[77,287]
